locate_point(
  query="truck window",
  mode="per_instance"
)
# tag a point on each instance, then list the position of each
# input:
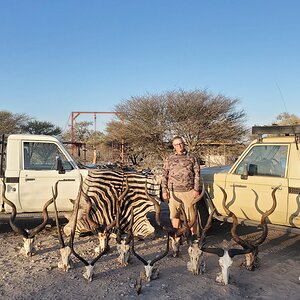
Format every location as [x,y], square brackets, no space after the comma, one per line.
[264,160]
[42,156]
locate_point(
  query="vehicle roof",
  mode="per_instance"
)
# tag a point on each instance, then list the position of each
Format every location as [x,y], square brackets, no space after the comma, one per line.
[275,139]
[31,137]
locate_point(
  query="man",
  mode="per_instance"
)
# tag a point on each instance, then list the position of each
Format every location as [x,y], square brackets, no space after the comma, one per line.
[181,173]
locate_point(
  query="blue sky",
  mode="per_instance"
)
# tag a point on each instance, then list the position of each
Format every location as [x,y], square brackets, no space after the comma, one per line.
[60,56]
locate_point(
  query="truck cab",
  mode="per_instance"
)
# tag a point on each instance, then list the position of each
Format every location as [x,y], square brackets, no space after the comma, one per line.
[30,166]
[271,160]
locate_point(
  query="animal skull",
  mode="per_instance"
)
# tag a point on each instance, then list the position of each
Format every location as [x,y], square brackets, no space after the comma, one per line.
[124,253]
[151,272]
[65,253]
[102,237]
[28,247]
[175,244]
[89,273]
[196,263]
[225,262]
[251,260]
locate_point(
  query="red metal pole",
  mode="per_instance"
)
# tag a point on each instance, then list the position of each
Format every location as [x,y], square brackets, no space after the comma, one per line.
[73,117]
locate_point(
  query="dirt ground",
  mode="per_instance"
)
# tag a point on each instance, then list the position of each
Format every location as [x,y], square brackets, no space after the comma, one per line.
[38,277]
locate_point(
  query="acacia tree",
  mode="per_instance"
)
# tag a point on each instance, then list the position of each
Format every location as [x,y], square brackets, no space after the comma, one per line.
[40,127]
[202,118]
[22,123]
[151,121]
[81,132]
[145,126]
[94,141]
[119,135]
[12,123]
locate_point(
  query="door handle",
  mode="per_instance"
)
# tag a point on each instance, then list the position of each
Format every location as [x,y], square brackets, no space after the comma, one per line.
[68,179]
[29,179]
[238,185]
[279,188]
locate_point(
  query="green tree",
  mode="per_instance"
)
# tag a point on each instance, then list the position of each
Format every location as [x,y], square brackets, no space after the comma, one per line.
[144,127]
[41,127]
[203,118]
[118,134]
[81,132]
[151,121]
[93,140]
[287,119]
[12,123]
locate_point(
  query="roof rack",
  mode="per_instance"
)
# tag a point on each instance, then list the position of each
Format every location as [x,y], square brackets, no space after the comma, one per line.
[276,129]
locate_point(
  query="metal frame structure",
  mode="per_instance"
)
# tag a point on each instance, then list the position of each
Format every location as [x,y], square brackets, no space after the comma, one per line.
[277,129]
[292,130]
[75,114]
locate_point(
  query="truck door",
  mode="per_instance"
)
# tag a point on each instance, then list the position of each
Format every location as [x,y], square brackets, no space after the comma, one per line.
[38,175]
[249,185]
[294,187]
[294,203]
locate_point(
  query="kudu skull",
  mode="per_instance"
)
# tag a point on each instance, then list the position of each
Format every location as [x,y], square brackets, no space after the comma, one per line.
[249,249]
[28,234]
[251,258]
[185,230]
[196,263]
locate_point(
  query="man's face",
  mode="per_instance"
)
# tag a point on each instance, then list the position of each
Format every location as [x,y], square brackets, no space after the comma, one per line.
[178,146]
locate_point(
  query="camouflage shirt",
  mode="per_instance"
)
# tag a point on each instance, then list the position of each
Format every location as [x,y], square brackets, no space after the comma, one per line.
[182,172]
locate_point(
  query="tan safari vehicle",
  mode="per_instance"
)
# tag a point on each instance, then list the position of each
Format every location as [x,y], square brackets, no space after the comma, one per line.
[272,160]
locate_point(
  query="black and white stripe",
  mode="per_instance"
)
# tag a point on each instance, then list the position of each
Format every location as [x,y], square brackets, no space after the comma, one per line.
[103,187]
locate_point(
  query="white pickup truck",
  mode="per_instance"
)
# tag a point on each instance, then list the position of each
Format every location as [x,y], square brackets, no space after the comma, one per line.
[272,160]
[31,165]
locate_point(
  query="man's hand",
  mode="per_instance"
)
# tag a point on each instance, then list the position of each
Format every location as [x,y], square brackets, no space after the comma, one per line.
[196,194]
[166,196]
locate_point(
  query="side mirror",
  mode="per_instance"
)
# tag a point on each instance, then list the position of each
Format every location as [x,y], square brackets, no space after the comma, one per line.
[245,172]
[59,166]
[252,170]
